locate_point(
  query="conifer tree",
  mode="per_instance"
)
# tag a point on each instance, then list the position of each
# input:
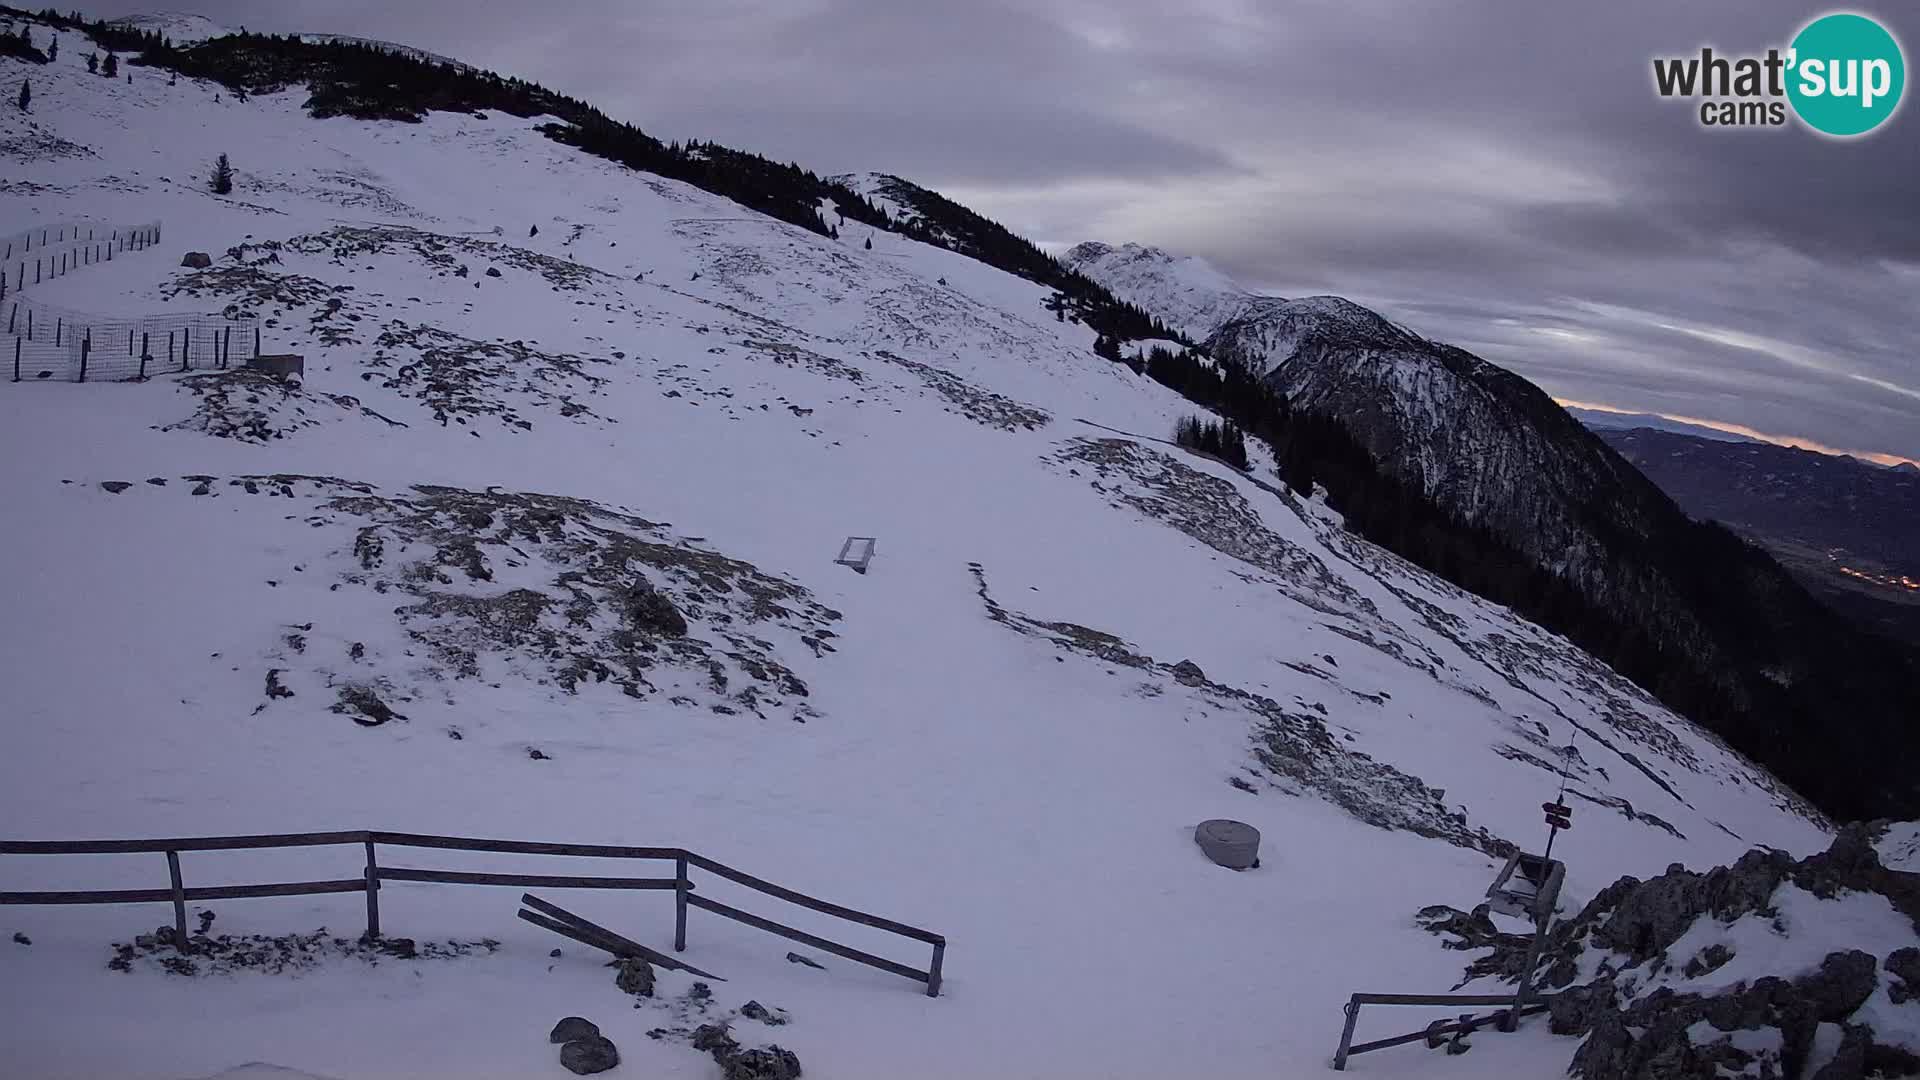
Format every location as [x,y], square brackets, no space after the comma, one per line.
[111,69]
[26,94]
[222,180]
[869,243]
[93,63]
[53,49]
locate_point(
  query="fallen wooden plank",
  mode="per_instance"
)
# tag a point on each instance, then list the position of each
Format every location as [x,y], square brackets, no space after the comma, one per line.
[634,948]
[578,935]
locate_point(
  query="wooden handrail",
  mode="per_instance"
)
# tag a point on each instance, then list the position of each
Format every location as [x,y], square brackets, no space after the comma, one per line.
[374,874]
[821,906]
[525,847]
[805,938]
[184,843]
[549,881]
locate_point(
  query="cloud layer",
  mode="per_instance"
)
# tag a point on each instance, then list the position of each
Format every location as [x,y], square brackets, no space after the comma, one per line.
[1497,175]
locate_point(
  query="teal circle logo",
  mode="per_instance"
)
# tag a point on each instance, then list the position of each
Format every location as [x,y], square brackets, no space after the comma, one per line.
[1846,74]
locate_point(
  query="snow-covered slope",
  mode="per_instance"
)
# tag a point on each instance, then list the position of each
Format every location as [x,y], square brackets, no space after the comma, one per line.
[579,493]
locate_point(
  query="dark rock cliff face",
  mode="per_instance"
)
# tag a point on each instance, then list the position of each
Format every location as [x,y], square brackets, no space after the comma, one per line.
[1713,626]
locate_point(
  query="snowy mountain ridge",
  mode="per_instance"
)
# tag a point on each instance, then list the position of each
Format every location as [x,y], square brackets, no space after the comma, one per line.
[1724,630]
[541,547]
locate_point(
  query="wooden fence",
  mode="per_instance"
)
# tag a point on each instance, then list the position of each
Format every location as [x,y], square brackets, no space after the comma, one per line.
[680,883]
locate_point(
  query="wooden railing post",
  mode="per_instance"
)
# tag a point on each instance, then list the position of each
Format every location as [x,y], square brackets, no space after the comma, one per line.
[179,902]
[680,904]
[1346,1034]
[373,895]
[933,972]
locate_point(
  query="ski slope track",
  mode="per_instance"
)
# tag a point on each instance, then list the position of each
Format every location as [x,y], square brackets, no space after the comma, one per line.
[588,507]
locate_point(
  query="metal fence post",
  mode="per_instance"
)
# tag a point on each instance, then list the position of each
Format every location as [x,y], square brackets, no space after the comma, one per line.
[226,346]
[86,348]
[16,359]
[145,355]
[58,325]
[256,343]
[680,904]
[179,902]
[933,972]
[186,348]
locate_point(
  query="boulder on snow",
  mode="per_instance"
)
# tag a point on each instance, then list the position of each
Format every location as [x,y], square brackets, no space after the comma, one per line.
[1233,844]
[573,1027]
[593,1054]
[1904,963]
[633,976]
[197,260]
[1188,672]
[280,364]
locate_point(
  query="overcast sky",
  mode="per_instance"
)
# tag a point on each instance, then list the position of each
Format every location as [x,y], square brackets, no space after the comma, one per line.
[1497,175]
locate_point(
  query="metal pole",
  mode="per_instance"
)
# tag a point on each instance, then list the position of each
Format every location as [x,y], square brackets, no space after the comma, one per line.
[86,347]
[145,355]
[1512,1020]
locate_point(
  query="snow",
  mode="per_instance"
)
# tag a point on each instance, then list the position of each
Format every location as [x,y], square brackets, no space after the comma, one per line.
[1793,942]
[1899,846]
[1033,803]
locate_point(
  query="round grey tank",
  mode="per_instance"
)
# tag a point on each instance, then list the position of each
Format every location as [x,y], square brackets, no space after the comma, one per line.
[1233,844]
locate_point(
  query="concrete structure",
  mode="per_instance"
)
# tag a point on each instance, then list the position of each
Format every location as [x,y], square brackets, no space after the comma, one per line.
[1233,844]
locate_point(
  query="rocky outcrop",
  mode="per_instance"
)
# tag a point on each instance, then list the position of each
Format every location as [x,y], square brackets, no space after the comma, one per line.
[1761,1027]
[1688,1036]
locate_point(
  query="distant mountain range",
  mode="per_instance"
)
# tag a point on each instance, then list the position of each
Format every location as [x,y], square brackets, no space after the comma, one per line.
[1607,420]
[1845,527]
